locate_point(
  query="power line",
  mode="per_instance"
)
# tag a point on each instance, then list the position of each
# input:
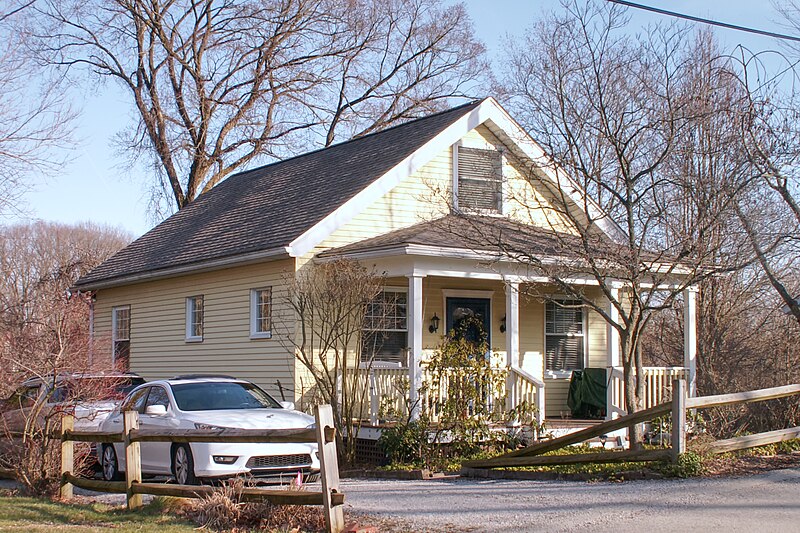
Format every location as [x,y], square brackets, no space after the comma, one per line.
[706,21]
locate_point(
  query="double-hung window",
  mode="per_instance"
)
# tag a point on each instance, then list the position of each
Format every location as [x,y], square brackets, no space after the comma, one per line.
[564,336]
[480,180]
[385,337]
[194,318]
[121,336]
[261,313]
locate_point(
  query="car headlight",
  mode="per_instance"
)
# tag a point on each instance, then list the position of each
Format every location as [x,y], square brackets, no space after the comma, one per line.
[200,425]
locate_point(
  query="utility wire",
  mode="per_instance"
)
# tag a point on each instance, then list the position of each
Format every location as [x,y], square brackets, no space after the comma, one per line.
[706,21]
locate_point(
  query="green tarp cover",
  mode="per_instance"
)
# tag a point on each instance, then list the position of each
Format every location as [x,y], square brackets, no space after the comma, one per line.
[587,393]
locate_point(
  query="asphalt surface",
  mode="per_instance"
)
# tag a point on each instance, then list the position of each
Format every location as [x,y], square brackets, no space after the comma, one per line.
[761,503]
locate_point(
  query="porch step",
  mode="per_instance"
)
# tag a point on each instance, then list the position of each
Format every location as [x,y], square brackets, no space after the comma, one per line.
[559,427]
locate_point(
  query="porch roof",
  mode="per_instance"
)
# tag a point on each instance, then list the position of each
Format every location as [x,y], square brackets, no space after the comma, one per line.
[457,233]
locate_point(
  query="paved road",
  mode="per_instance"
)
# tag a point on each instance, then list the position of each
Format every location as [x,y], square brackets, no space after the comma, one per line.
[762,503]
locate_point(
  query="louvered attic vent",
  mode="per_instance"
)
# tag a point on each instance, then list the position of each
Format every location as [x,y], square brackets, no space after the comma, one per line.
[480,180]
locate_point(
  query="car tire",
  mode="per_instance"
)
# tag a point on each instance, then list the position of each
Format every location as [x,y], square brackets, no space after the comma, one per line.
[109,466]
[183,465]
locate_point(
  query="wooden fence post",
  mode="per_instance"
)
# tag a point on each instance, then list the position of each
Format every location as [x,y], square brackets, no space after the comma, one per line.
[67,456]
[678,419]
[329,467]
[133,459]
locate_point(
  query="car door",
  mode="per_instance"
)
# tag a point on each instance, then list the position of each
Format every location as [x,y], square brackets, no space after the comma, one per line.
[156,455]
[114,424]
[18,407]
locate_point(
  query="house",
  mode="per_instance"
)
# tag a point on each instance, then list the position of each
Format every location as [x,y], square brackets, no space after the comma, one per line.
[202,292]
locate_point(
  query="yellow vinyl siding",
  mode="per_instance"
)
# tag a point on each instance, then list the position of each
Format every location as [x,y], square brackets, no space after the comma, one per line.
[158,325]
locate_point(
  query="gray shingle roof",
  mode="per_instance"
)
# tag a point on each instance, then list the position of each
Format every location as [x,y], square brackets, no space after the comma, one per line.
[268,207]
[468,232]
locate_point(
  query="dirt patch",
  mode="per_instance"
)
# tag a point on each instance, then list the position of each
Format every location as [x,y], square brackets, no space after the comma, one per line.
[749,465]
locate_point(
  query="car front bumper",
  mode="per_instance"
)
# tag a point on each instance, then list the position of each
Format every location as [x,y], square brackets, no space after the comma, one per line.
[256,459]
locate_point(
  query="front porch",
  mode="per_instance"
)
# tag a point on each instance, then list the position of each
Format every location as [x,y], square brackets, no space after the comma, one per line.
[525,345]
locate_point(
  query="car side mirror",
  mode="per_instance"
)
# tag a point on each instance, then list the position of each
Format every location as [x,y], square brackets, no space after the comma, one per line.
[155,410]
[287,405]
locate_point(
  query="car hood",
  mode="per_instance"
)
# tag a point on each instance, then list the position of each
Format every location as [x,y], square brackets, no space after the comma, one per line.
[251,418]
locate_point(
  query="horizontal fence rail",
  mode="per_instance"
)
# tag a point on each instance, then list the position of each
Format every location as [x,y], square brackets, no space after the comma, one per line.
[678,406]
[324,434]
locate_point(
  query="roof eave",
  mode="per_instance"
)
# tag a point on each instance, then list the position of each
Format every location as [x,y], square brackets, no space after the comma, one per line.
[273,254]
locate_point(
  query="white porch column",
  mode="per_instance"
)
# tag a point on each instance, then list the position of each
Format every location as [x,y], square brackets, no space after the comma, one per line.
[512,323]
[613,335]
[512,341]
[612,353]
[415,325]
[690,338]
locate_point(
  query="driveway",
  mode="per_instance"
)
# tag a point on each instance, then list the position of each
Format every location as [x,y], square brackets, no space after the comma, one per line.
[763,503]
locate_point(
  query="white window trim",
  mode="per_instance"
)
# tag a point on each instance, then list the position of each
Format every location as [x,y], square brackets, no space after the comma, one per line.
[189,307]
[114,338]
[564,374]
[254,314]
[391,364]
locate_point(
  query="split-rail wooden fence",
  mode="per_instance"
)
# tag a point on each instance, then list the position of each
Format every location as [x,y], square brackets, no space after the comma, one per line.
[324,434]
[678,407]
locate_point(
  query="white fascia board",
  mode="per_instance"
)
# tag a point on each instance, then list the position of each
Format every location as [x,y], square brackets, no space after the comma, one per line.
[347,211]
[205,266]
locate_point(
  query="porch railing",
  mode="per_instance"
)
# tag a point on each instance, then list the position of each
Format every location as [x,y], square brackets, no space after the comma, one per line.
[526,389]
[657,387]
[388,393]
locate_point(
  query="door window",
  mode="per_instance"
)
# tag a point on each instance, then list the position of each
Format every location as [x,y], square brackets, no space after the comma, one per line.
[136,401]
[157,396]
[469,317]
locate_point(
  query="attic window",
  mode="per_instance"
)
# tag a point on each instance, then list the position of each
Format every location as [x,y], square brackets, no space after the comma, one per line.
[480,180]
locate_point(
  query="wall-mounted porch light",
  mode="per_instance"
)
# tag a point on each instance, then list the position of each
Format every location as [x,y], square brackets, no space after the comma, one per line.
[434,327]
[503,324]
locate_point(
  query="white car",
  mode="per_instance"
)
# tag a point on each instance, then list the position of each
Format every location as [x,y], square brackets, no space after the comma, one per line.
[210,402]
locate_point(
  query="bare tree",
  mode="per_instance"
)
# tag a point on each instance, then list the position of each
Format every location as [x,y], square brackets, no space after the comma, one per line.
[330,304]
[44,328]
[44,332]
[614,112]
[33,117]
[217,85]
[768,209]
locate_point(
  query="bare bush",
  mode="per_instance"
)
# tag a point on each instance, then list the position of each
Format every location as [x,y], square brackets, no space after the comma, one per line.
[330,303]
[224,510]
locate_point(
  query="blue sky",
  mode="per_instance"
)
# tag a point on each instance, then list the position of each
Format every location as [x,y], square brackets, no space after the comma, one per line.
[95,186]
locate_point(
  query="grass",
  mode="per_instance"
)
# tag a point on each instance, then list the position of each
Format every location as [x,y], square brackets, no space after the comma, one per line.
[38,515]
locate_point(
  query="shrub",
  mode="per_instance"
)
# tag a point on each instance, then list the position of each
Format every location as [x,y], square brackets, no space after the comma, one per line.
[224,510]
[690,464]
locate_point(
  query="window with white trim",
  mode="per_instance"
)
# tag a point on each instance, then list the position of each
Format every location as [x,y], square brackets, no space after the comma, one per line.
[194,318]
[385,337]
[261,313]
[564,336]
[121,336]
[480,180]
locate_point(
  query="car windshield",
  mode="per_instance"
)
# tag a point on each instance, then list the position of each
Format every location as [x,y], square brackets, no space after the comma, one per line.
[221,395]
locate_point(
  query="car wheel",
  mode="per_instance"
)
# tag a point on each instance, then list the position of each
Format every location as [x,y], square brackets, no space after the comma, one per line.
[183,465]
[109,464]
